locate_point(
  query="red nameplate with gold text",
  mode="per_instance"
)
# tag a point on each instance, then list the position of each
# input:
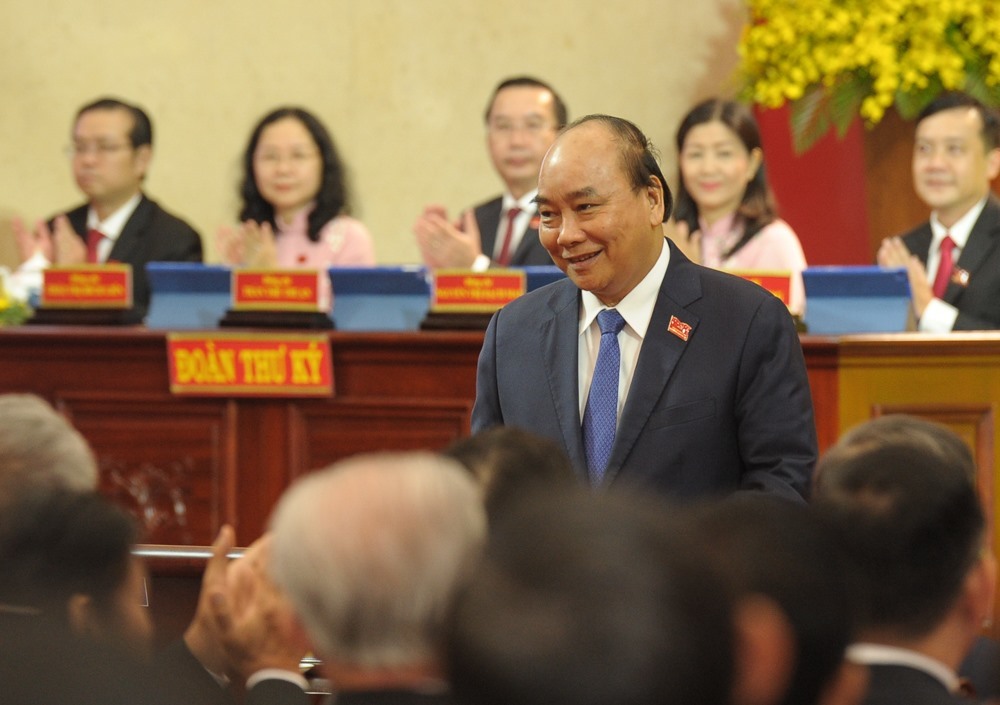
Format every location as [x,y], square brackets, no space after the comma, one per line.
[778,283]
[249,364]
[465,291]
[87,286]
[279,290]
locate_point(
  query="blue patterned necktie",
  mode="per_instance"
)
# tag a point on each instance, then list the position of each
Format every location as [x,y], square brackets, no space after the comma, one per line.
[600,418]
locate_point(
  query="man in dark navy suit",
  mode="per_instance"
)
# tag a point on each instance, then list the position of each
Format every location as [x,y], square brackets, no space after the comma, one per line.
[710,393]
[899,493]
[522,120]
[953,260]
[111,151]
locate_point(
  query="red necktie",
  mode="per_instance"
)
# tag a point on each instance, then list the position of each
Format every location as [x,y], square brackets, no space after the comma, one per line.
[94,238]
[504,257]
[945,267]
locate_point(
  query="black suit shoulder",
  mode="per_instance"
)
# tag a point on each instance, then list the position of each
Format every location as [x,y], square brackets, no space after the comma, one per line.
[892,684]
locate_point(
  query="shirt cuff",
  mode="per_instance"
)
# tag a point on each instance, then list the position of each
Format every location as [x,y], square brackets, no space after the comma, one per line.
[481,263]
[938,317]
[277,674]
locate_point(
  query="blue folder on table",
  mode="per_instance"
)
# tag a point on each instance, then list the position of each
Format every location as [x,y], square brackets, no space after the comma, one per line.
[860,299]
[187,296]
[379,298]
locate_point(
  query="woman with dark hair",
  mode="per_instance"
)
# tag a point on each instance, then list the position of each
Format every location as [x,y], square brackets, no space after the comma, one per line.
[725,215]
[295,200]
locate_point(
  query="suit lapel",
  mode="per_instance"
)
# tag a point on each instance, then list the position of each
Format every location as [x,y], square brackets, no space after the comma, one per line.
[528,240]
[488,220]
[559,337]
[982,241]
[921,243]
[660,353]
[130,238]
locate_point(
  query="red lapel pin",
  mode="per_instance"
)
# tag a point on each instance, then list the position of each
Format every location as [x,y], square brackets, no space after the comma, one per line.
[679,328]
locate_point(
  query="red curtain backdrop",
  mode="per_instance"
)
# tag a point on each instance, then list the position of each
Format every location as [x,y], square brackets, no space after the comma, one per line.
[822,193]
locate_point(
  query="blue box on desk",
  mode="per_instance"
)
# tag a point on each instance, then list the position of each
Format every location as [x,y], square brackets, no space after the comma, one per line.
[538,276]
[865,299]
[379,298]
[187,295]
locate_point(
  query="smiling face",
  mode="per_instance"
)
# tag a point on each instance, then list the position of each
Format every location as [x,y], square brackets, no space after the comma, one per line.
[598,229]
[287,166]
[716,168]
[952,168]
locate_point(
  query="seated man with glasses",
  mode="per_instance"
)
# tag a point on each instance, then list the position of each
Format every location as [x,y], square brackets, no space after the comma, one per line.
[522,120]
[110,153]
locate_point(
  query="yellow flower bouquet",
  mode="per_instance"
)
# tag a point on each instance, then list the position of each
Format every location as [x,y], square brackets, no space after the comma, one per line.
[835,59]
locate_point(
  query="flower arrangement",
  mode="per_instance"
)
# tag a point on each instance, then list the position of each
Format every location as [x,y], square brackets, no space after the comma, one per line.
[835,59]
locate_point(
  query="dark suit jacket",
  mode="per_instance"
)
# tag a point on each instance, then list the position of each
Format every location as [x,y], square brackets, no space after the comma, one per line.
[187,679]
[529,251]
[729,409]
[150,235]
[978,302]
[891,685]
[275,692]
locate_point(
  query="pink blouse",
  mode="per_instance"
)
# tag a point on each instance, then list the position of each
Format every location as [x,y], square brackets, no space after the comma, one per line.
[343,242]
[774,248]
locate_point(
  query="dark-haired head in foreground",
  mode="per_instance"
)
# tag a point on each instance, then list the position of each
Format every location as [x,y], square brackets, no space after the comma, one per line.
[588,599]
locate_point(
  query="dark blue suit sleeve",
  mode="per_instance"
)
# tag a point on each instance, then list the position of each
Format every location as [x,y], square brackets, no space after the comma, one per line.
[486,411]
[777,430]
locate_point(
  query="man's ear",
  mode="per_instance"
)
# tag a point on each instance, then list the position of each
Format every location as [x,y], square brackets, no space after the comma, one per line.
[993,163]
[80,615]
[143,156]
[654,197]
[764,655]
[848,686]
[980,590]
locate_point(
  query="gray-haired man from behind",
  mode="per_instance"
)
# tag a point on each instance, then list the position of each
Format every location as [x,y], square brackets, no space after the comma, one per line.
[369,552]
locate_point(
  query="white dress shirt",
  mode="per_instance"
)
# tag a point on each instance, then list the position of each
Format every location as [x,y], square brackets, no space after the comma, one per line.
[636,308]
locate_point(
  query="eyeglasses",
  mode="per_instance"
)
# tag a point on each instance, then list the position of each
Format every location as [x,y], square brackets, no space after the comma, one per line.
[275,158]
[101,149]
[507,128]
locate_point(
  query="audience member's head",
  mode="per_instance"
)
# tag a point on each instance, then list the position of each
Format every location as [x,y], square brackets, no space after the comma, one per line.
[40,450]
[902,430]
[290,163]
[369,552]
[506,461]
[779,551]
[956,154]
[588,599]
[899,494]
[67,557]
[522,119]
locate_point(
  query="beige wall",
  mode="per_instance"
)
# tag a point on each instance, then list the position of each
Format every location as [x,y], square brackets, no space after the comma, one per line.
[400,83]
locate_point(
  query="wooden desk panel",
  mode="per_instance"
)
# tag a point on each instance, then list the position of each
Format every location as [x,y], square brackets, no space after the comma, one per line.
[186,465]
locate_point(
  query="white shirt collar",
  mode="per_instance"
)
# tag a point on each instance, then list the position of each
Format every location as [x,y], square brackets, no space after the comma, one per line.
[637,306]
[112,226]
[960,231]
[884,655]
[525,202]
